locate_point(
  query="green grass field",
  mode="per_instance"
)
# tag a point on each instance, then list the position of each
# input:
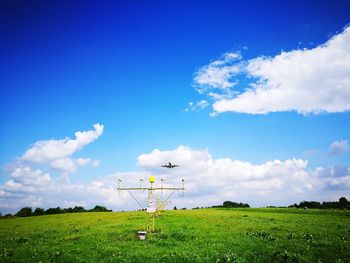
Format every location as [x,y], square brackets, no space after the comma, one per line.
[205,235]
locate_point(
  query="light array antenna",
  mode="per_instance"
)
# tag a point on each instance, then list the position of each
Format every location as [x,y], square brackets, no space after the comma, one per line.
[152,207]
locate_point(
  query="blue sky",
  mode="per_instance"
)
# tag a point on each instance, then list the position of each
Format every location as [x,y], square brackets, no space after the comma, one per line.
[134,67]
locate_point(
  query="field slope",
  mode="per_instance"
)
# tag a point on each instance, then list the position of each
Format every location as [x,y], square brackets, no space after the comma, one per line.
[205,235]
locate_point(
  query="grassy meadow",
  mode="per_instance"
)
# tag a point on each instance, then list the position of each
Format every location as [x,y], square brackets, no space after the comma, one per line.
[204,235]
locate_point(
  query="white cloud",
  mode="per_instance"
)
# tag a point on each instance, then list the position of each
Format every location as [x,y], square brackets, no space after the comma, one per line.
[342,183]
[68,165]
[51,150]
[28,187]
[27,176]
[306,81]
[219,73]
[64,165]
[57,153]
[339,147]
[83,161]
[200,105]
[33,187]
[334,178]
[215,180]
[208,181]
[26,180]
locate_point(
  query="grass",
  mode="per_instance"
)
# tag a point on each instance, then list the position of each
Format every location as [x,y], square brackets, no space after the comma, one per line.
[205,235]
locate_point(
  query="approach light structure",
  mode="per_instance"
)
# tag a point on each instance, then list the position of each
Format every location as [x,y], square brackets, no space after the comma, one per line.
[154,204]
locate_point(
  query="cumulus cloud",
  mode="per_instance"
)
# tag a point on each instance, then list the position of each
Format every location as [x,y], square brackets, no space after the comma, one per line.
[51,150]
[208,181]
[57,153]
[211,180]
[68,165]
[333,178]
[339,147]
[33,187]
[306,81]
[332,172]
[28,186]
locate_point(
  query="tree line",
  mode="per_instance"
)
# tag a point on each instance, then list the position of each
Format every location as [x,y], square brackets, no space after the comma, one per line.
[230,204]
[343,203]
[28,211]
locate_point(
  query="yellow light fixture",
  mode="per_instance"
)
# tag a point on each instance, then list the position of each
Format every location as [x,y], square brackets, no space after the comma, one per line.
[152,179]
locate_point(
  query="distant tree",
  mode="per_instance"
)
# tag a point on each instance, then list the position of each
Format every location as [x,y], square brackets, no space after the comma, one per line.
[343,200]
[344,203]
[24,212]
[99,208]
[175,208]
[227,204]
[310,204]
[8,215]
[230,204]
[68,210]
[330,205]
[77,209]
[38,211]
[52,211]
[0,214]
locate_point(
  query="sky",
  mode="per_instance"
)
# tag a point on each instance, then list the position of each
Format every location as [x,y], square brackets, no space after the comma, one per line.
[250,98]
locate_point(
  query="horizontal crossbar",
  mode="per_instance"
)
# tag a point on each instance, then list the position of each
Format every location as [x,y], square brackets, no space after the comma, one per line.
[151,188]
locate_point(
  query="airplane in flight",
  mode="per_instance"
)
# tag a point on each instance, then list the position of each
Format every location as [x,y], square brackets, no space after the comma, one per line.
[170,165]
